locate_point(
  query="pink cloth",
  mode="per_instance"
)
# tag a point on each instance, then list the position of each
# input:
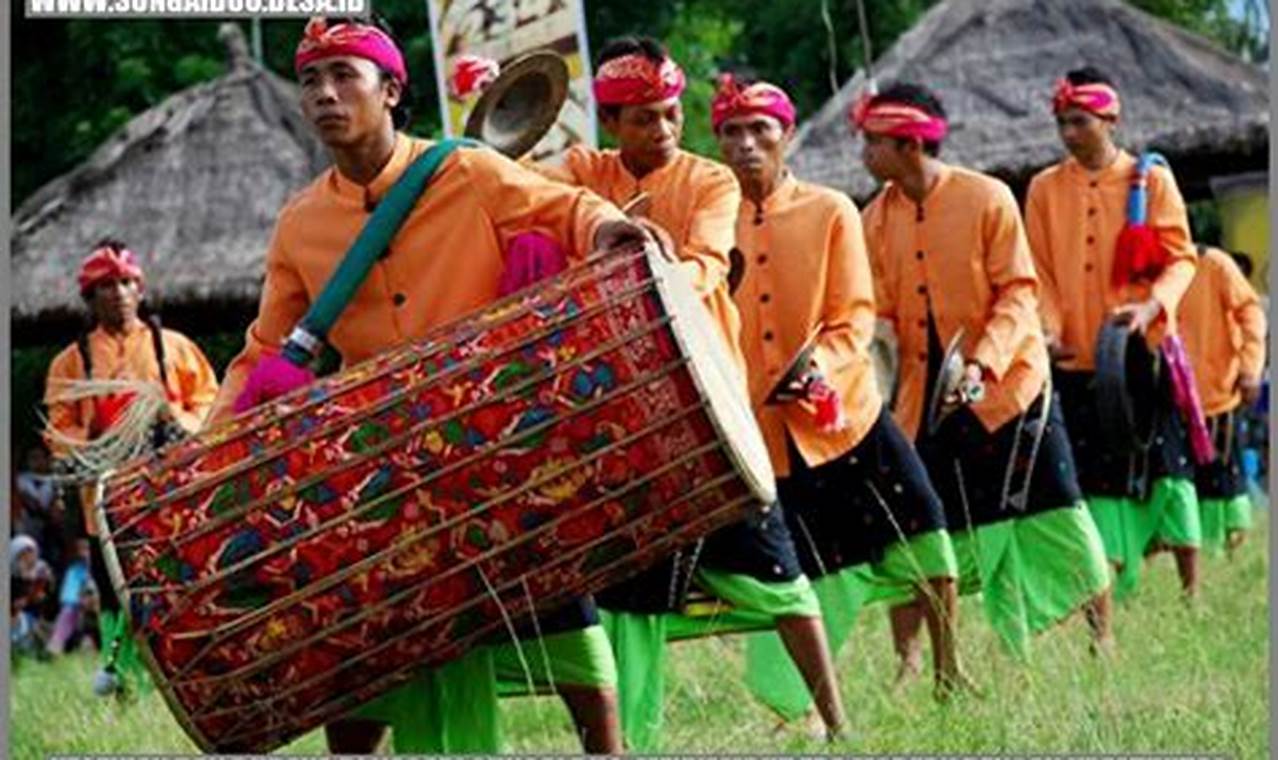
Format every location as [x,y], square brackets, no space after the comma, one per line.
[1096,98]
[884,117]
[1185,393]
[633,80]
[471,74]
[732,100]
[106,264]
[530,257]
[272,377]
[321,41]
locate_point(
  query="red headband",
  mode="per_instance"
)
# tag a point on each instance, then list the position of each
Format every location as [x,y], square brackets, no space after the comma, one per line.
[1097,98]
[322,41]
[884,117]
[633,80]
[472,73]
[732,100]
[107,264]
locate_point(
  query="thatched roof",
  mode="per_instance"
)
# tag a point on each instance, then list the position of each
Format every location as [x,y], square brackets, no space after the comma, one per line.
[994,62]
[193,185]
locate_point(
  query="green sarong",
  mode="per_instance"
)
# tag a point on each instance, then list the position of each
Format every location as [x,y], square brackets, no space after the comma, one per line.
[639,641]
[1032,571]
[770,673]
[572,658]
[127,663]
[1219,517]
[444,710]
[1128,527]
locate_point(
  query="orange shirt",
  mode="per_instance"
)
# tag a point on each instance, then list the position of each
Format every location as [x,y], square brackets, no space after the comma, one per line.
[1073,218]
[806,265]
[964,251]
[445,260]
[1223,326]
[693,198]
[191,389]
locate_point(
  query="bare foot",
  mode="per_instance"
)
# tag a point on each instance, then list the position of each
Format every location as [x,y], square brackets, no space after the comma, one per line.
[908,669]
[954,683]
[1104,648]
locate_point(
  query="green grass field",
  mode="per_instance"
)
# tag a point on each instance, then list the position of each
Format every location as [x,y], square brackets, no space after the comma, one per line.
[1186,680]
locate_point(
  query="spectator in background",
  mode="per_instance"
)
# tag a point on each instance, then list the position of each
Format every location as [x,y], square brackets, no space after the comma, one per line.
[70,621]
[29,579]
[38,496]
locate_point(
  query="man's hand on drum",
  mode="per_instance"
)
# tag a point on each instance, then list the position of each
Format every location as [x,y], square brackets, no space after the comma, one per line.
[619,235]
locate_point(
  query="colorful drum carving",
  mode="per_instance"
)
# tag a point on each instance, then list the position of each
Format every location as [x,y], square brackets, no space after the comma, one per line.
[307,556]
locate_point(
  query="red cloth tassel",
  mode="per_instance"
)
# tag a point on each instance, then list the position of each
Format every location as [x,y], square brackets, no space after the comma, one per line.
[107,410]
[1137,255]
[829,407]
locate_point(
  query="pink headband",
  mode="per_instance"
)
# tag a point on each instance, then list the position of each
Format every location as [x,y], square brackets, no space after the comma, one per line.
[896,120]
[633,80]
[1097,98]
[106,264]
[732,100]
[321,41]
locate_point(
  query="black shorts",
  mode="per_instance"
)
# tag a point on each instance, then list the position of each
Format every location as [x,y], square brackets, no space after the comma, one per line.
[1101,470]
[576,614]
[759,546]
[983,458]
[851,509]
[1223,477]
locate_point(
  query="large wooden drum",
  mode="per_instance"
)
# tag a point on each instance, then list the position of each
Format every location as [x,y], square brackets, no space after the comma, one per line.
[305,557]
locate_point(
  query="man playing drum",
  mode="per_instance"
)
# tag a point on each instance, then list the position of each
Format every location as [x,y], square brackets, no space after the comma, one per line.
[1075,213]
[121,345]
[866,521]
[445,260]
[952,267]
[752,567]
[1224,326]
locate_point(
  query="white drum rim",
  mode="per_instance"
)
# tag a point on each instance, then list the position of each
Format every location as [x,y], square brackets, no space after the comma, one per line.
[740,446]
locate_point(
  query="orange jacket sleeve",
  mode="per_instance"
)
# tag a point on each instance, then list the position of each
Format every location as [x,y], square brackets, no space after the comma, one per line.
[848,306]
[1037,234]
[283,304]
[1252,322]
[1167,216]
[64,417]
[711,234]
[196,381]
[1010,268]
[884,284]
[518,199]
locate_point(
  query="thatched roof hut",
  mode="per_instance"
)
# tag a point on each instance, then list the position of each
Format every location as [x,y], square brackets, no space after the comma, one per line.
[193,185]
[994,62]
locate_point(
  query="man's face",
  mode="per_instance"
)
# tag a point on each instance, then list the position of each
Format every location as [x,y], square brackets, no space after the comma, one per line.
[27,559]
[886,157]
[114,301]
[346,99]
[650,132]
[754,146]
[1084,133]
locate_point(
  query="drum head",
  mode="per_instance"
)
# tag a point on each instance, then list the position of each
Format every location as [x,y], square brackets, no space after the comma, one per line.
[721,382]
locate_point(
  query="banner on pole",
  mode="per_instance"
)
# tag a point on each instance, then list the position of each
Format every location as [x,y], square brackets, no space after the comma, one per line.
[504,30]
